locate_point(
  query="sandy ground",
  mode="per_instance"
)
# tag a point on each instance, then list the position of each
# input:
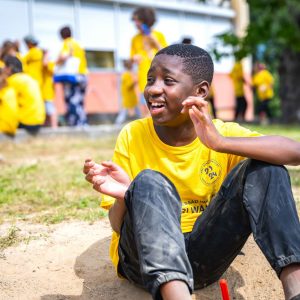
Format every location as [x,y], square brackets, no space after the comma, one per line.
[71,261]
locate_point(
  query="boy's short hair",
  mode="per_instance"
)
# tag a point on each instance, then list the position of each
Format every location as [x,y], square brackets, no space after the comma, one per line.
[145,14]
[196,61]
[13,63]
[65,32]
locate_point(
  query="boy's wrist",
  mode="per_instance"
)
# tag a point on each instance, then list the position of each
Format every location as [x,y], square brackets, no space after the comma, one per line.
[221,145]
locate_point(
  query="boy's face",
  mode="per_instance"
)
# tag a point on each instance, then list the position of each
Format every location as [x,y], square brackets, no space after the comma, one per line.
[167,87]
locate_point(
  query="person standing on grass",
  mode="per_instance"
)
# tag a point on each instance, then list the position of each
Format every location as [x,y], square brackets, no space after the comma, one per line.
[33,60]
[72,58]
[237,76]
[144,45]
[185,192]
[129,93]
[263,82]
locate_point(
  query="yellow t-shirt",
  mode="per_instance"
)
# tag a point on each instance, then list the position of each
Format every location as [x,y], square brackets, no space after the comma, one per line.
[72,47]
[129,96]
[195,170]
[48,92]
[31,105]
[263,81]
[33,64]
[237,76]
[8,110]
[145,56]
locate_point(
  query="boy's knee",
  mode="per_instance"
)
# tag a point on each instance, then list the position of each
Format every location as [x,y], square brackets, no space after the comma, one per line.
[262,171]
[150,177]
[153,185]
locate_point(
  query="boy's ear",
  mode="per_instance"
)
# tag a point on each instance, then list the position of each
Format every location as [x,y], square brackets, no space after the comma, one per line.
[202,89]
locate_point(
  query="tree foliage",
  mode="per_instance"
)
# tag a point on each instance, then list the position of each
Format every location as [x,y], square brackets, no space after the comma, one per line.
[272,36]
[274,26]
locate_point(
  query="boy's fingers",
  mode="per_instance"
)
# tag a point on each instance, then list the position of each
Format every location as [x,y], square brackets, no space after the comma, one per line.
[110,164]
[97,184]
[194,100]
[88,164]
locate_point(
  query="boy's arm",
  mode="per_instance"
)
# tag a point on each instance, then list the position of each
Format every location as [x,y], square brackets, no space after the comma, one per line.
[116,214]
[272,149]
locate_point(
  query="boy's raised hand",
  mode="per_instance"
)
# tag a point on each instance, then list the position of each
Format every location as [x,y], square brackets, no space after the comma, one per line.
[198,110]
[107,178]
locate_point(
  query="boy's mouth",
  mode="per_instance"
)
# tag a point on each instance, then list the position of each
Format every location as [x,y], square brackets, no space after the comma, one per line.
[156,107]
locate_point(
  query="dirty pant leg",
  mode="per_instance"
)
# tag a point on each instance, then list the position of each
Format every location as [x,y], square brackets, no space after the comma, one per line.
[273,216]
[152,246]
[255,197]
[220,232]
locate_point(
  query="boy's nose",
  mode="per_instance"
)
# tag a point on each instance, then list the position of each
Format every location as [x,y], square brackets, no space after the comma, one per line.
[155,89]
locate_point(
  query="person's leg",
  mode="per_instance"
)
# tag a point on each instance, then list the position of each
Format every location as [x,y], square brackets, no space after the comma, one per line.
[290,278]
[268,110]
[152,247]
[237,108]
[137,111]
[257,197]
[244,105]
[77,102]
[220,232]
[121,116]
[68,94]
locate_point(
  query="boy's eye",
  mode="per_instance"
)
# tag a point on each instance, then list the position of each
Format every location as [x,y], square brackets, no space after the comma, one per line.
[150,80]
[169,80]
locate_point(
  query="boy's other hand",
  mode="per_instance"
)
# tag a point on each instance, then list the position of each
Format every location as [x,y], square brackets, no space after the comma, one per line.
[89,164]
[198,110]
[107,178]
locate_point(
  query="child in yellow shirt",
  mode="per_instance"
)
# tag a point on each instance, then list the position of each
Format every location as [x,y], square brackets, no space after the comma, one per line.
[8,107]
[263,82]
[129,93]
[183,198]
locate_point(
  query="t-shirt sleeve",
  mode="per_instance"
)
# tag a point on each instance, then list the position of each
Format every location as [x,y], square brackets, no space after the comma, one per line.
[121,158]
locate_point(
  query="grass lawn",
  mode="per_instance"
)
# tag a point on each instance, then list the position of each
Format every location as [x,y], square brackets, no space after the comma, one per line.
[41,178]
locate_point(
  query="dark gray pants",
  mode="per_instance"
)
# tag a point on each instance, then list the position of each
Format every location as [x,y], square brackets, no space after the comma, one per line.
[256,198]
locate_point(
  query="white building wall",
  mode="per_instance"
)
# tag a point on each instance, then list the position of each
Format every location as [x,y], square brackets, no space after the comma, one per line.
[106,25]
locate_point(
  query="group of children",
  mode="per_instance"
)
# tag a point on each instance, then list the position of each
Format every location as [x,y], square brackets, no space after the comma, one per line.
[27,89]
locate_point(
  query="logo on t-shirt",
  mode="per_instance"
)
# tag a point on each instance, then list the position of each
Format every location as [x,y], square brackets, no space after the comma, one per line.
[210,172]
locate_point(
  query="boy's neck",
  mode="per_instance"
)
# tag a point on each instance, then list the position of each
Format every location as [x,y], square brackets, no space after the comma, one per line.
[176,136]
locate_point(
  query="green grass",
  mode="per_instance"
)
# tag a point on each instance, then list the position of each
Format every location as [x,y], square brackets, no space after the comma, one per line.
[292,132]
[41,180]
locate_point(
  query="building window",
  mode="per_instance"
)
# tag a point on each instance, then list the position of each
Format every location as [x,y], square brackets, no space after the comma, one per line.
[97,59]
